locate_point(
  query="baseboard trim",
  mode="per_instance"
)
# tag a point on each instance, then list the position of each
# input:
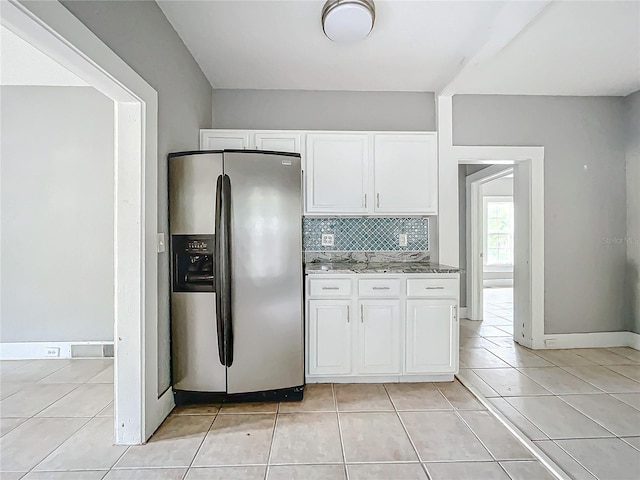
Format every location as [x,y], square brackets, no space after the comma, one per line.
[46,350]
[446,377]
[592,340]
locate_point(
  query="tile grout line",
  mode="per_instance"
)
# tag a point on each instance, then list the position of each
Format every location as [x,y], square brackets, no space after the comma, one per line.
[524,440]
[201,443]
[344,455]
[574,458]
[406,431]
[477,436]
[273,437]
[594,385]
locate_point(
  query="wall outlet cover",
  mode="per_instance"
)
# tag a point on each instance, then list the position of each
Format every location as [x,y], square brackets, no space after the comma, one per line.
[52,352]
[328,240]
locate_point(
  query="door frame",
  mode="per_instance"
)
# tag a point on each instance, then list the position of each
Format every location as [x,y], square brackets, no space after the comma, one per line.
[528,166]
[475,235]
[49,26]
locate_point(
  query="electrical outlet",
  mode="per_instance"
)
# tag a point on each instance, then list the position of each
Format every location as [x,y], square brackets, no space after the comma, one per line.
[551,342]
[402,240]
[52,352]
[328,240]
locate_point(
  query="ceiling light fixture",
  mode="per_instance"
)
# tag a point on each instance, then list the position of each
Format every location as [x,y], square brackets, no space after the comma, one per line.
[348,21]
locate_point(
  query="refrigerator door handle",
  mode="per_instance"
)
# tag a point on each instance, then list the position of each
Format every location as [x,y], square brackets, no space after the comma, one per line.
[218,273]
[226,277]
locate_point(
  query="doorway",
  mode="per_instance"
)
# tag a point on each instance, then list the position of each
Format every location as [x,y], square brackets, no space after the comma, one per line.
[52,29]
[527,164]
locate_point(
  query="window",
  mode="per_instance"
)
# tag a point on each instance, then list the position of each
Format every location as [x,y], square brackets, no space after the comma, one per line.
[498,231]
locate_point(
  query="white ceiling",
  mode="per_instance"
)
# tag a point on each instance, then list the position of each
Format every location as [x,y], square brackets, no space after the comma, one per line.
[571,48]
[23,64]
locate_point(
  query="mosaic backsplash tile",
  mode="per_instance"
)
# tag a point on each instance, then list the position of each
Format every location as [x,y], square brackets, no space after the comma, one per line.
[365,234]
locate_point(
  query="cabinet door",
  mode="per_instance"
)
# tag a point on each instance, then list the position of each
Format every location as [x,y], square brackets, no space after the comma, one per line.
[278,142]
[379,337]
[329,337]
[224,139]
[431,336]
[406,174]
[336,172]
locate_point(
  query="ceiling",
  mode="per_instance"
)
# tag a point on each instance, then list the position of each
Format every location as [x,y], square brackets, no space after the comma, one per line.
[570,48]
[23,64]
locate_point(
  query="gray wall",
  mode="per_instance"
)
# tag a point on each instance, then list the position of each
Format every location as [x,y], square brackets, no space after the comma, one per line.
[56,214]
[632,107]
[323,110]
[139,33]
[584,286]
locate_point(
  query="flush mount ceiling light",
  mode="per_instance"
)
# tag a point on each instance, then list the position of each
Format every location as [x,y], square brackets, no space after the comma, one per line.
[348,21]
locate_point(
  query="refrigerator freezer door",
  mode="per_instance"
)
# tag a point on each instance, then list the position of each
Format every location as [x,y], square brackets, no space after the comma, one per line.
[266,271]
[194,339]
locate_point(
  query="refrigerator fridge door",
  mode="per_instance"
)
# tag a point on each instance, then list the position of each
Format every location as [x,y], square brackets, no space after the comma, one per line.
[265,241]
[194,340]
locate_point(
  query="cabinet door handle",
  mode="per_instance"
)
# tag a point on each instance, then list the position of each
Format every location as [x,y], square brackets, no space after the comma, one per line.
[434,288]
[331,288]
[365,200]
[348,314]
[381,288]
[378,200]
[361,313]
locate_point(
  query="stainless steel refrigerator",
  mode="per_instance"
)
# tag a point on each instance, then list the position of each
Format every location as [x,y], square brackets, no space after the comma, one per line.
[235,218]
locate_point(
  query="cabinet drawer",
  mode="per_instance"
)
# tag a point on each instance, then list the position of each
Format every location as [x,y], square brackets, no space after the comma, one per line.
[385,287]
[432,287]
[337,287]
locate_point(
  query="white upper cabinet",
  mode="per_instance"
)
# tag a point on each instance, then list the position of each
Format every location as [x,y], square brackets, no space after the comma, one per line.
[224,139]
[337,173]
[278,142]
[405,174]
[351,173]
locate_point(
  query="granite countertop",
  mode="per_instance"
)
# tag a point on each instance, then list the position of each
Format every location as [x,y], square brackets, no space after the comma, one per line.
[386,267]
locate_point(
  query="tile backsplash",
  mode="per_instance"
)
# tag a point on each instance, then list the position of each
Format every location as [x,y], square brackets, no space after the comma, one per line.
[365,234]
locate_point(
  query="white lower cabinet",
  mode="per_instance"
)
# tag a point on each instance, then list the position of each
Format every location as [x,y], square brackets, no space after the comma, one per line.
[430,335]
[329,334]
[379,337]
[356,333]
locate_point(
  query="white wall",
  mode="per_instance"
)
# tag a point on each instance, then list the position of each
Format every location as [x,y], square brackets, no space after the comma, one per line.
[584,283]
[57,180]
[632,240]
[323,110]
[140,34]
[500,187]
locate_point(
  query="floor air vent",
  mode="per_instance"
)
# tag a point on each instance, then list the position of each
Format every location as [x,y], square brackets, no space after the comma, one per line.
[92,351]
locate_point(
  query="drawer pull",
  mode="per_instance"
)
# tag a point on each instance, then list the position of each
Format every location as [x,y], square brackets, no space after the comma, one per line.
[381,288]
[331,288]
[434,288]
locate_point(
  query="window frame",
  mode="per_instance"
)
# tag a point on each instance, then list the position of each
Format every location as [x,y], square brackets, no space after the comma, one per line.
[485,228]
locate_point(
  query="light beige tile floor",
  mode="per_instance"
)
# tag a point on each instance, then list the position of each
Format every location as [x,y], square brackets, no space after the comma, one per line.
[61,428]
[581,407]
